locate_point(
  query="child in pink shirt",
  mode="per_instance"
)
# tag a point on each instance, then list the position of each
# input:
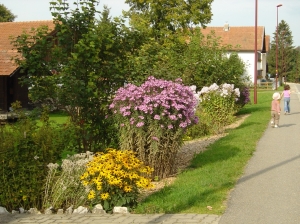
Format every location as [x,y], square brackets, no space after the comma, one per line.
[287,98]
[275,110]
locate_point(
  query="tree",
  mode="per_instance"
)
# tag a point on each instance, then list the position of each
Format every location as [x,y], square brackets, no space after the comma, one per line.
[208,62]
[294,76]
[166,15]
[284,52]
[198,60]
[167,25]
[87,59]
[6,15]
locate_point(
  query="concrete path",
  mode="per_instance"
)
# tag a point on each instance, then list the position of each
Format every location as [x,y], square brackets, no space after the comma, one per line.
[269,190]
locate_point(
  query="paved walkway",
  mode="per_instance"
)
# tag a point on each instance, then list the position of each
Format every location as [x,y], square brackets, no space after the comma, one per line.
[269,190]
[267,193]
[110,219]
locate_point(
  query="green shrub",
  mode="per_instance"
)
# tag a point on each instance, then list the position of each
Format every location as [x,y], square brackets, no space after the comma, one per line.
[25,150]
[24,153]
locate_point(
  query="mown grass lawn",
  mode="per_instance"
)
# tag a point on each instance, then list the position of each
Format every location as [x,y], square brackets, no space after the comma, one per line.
[59,117]
[214,173]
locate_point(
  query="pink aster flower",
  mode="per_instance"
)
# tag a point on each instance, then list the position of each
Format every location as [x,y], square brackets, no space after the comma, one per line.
[156,117]
[155,138]
[140,124]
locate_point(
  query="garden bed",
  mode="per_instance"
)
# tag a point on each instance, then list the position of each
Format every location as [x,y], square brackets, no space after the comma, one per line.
[187,153]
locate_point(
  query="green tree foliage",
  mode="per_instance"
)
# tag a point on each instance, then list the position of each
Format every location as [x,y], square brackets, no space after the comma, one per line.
[207,61]
[198,60]
[295,74]
[86,58]
[285,52]
[168,15]
[6,15]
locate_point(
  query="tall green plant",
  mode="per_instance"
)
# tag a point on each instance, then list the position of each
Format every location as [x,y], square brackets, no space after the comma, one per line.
[25,150]
[6,15]
[207,61]
[199,60]
[281,52]
[164,15]
[86,58]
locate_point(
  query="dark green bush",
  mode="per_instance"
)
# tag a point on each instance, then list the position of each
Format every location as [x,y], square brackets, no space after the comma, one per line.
[25,151]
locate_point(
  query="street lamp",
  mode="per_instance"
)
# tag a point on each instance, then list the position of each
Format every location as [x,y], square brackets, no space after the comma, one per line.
[255,56]
[277,46]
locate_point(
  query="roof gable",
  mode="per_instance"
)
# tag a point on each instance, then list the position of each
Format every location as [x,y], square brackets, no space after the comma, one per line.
[8,29]
[243,37]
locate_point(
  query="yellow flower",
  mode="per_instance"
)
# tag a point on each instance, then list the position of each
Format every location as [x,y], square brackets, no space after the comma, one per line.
[24,197]
[135,176]
[127,188]
[115,169]
[104,196]
[91,194]
[99,187]
[84,176]
[85,183]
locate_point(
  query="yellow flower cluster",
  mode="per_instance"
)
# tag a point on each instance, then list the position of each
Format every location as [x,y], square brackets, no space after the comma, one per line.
[115,171]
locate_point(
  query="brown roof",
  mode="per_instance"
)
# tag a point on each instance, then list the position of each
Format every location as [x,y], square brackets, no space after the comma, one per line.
[8,29]
[244,37]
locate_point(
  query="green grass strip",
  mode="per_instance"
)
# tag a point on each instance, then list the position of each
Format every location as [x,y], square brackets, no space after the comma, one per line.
[214,173]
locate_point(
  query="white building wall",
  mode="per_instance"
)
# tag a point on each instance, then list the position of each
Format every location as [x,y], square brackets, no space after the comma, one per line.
[248,58]
[264,65]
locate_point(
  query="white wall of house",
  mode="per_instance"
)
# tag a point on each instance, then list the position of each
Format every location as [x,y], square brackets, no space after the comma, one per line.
[248,58]
[264,65]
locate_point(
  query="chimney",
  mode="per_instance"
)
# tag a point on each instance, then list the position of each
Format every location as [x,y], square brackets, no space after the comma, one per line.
[226,27]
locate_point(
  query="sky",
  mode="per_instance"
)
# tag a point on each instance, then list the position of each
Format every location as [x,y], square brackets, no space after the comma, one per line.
[233,12]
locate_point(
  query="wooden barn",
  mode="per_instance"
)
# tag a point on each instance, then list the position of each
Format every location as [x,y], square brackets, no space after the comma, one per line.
[10,88]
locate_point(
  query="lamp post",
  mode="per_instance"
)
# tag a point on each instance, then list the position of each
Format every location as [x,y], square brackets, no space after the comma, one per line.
[255,56]
[277,47]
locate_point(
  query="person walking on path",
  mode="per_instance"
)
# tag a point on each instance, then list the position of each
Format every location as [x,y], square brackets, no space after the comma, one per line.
[268,192]
[286,99]
[275,110]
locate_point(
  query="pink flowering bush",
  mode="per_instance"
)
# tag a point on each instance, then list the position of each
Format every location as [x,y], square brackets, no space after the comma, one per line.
[153,118]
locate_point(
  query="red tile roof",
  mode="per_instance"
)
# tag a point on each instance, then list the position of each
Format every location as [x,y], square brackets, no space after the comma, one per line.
[244,37]
[8,29]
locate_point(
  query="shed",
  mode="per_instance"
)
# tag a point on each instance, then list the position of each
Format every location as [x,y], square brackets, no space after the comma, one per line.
[10,88]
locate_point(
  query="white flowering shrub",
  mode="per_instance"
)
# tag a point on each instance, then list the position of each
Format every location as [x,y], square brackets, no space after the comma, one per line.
[63,186]
[216,108]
